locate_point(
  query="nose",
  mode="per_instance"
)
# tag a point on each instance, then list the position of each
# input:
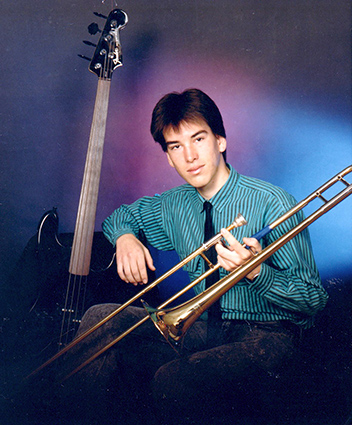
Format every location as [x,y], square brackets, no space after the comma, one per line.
[190,153]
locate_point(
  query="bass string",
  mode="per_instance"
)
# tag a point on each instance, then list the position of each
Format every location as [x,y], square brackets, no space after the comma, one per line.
[74,308]
[74,298]
[74,304]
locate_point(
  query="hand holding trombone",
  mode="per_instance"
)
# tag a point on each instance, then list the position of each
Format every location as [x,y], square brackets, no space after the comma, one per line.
[173,323]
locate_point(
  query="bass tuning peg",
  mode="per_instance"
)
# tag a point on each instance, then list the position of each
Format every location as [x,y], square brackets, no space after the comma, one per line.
[89,43]
[85,57]
[99,15]
[93,28]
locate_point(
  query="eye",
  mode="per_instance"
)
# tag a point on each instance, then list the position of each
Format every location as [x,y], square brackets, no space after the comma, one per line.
[173,147]
[200,137]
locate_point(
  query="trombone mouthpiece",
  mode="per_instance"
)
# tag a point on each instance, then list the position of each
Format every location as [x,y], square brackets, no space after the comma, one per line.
[239,221]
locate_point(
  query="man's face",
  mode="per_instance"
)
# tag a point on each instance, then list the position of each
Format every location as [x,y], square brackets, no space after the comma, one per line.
[196,154]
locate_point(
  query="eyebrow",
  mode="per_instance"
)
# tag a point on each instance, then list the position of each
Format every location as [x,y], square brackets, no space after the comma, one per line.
[192,137]
[198,133]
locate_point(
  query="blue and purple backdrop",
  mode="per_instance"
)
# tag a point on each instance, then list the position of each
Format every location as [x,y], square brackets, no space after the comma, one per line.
[278,70]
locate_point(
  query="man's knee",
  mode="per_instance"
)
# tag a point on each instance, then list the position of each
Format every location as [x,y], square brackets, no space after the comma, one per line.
[95,314]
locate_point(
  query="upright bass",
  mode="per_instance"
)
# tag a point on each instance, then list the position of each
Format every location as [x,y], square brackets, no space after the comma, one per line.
[107,57]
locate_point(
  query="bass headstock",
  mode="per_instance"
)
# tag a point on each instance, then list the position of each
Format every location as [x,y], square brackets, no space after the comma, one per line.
[108,54]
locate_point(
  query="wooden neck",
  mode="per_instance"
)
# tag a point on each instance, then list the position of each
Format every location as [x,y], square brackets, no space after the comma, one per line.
[85,222]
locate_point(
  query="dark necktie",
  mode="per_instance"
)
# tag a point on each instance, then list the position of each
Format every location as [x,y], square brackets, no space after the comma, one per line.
[211,254]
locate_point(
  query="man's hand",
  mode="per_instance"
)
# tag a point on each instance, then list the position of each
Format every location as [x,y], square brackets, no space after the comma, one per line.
[132,257]
[234,254]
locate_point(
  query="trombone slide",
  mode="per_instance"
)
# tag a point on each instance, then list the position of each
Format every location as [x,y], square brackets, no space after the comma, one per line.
[179,319]
[176,321]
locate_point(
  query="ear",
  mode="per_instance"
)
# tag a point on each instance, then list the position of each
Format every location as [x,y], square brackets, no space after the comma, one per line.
[170,160]
[222,143]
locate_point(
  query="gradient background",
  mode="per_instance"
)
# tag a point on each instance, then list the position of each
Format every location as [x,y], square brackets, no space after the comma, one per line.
[280,72]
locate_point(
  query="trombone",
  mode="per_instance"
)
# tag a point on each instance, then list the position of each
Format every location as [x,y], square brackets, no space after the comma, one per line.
[173,323]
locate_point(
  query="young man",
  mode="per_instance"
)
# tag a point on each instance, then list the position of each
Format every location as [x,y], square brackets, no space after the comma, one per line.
[260,317]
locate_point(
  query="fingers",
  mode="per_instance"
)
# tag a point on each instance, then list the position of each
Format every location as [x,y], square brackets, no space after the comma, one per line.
[132,259]
[132,269]
[234,254]
[253,244]
[234,245]
[255,247]
[149,259]
[229,258]
[232,242]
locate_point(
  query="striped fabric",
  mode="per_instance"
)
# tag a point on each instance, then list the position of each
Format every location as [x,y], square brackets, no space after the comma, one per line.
[288,287]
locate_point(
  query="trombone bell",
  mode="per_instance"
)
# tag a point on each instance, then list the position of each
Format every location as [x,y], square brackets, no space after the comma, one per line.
[166,329]
[174,322]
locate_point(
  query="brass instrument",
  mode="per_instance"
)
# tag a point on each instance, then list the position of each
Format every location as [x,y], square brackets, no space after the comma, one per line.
[175,322]
[238,222]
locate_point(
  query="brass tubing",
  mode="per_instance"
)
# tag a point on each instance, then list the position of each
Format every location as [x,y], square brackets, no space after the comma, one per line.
[200,303]
[236,274]
[312,196]
[239,221]
[136,325]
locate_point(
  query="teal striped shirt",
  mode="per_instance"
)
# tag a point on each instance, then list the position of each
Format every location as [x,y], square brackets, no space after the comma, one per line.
[288,287]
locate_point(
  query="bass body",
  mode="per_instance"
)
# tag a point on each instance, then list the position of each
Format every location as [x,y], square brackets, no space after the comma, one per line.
[33,298]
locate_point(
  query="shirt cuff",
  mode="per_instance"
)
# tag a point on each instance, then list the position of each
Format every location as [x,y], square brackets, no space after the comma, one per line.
[112,238]
[262,284]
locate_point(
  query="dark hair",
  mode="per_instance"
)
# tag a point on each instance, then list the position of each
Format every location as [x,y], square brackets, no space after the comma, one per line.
[190,106]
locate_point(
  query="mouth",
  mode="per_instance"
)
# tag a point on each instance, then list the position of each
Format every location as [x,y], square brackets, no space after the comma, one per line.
[195,170]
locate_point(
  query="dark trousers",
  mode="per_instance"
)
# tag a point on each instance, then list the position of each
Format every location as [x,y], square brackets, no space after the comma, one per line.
[141,376]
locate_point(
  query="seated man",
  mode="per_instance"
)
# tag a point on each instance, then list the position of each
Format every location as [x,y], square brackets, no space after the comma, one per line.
[253,328]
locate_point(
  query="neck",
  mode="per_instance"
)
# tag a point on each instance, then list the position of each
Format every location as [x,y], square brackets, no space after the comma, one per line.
[213,188]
